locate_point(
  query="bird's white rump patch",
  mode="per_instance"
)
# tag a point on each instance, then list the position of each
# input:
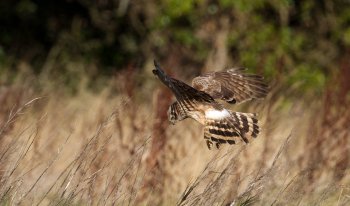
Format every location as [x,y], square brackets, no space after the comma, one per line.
[217,114]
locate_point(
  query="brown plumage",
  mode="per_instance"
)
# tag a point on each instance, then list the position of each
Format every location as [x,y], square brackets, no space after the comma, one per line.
[232,86]
[198,102]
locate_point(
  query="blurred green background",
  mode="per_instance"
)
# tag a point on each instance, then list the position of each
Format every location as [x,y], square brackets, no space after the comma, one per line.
[299,43]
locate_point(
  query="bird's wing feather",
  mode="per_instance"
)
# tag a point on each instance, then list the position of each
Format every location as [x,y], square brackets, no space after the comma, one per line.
[181,90]
[232,86]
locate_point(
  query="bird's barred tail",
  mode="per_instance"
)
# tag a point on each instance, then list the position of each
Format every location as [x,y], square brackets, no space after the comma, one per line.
[236,128]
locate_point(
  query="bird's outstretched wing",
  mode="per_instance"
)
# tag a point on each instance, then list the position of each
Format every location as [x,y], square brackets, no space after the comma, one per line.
[233,86]
[182,91]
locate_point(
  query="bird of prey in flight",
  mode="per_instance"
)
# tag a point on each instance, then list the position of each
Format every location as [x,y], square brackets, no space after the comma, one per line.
[199,103]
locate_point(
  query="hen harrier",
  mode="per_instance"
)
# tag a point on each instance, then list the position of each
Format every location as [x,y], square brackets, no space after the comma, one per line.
[198,102]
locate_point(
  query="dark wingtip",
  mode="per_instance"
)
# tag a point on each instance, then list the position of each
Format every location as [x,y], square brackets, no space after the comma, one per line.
[158,70]
[156,63]
[157,66]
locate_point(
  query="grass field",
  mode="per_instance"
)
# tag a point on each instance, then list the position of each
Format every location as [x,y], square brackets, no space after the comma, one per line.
[95,148]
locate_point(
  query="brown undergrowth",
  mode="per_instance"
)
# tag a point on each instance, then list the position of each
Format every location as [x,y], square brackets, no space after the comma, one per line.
[96,149]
